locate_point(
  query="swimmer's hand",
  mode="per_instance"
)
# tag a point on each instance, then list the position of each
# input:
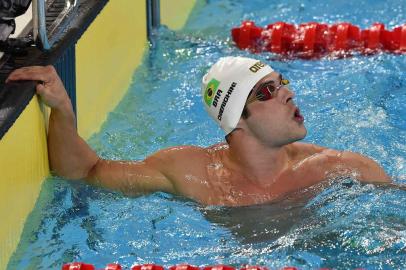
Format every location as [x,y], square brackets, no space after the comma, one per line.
[49,87]
[69,155]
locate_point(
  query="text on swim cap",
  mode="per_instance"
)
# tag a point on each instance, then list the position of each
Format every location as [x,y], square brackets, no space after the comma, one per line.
[225,100]
[217,97]
[257,66]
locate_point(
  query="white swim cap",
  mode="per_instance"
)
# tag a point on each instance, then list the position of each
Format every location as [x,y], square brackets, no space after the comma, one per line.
[226,86]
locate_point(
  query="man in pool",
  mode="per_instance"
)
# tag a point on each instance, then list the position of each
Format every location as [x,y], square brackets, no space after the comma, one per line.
[261,162]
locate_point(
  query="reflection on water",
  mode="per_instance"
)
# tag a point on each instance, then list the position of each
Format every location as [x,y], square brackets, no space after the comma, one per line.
[259,223]
[267,222]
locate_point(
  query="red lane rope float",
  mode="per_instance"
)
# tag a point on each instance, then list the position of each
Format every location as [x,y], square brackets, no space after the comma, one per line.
[113,266]
[316,39]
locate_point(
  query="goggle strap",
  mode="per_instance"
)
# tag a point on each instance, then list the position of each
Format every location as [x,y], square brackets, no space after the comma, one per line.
[251,99]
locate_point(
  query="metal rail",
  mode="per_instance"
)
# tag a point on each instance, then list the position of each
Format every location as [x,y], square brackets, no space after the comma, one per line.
[46,35]
[153,18]
[43,34]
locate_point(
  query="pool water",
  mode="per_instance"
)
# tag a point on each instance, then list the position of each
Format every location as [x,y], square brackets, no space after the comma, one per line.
[357,104]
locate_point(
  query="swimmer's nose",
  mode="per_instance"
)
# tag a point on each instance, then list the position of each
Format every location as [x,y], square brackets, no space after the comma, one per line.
[286,95]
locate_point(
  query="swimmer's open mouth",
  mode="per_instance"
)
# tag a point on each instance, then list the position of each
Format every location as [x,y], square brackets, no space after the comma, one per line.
[298,117]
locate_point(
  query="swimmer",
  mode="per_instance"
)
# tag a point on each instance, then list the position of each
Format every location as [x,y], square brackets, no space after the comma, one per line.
[261,161]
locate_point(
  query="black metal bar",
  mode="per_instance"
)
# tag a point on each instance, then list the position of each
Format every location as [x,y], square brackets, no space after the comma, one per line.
[14,93]
[65,66]
[153,18]
[156,13]
[14,97]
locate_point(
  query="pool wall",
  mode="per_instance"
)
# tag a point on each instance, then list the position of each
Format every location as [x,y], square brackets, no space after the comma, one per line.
[106,56]
[24,165]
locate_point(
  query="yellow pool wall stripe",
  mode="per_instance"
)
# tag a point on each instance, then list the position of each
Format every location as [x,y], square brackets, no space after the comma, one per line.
[106,56]
[24,165]
[174,13]
[104,72]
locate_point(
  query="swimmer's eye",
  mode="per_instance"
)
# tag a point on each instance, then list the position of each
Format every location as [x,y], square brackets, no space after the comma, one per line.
[267,91]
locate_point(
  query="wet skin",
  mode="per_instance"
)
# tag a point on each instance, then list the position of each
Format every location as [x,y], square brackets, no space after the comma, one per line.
[263,161]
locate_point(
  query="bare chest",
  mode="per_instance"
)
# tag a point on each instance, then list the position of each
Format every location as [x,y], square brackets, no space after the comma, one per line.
[226,187]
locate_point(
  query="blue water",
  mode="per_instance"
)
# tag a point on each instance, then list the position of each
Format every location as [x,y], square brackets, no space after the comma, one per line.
[357,104]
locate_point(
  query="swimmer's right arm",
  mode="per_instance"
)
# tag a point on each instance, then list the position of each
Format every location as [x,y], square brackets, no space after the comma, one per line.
[178,170]
[71,157]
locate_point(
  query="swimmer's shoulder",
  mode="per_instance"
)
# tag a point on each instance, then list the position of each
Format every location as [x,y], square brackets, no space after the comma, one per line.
[342,163]
[221,146]
[193,156]
[180,158]
[314,155]
[180,152]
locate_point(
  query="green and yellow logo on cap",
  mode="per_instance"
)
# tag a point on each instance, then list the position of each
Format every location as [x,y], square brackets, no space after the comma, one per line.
[211,90]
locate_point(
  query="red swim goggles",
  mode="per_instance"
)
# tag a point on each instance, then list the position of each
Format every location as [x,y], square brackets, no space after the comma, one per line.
[266,91]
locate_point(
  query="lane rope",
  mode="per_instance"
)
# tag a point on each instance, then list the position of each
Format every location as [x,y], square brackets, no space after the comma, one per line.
[114,266]
[309,40]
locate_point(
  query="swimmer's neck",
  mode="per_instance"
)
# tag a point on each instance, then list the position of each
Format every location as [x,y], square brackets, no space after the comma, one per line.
[257,162]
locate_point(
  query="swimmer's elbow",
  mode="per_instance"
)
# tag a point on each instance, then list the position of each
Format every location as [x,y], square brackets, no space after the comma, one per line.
[78,171]
[91,172]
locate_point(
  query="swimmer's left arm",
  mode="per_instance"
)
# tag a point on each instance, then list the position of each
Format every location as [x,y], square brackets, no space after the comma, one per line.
[366,170]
